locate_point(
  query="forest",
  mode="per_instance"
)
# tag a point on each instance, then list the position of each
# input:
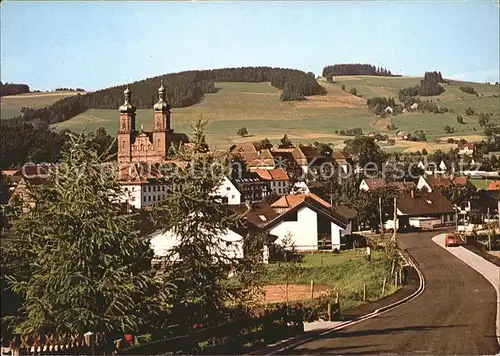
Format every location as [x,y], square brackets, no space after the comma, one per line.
[356,69]
[428,86]
[13,89]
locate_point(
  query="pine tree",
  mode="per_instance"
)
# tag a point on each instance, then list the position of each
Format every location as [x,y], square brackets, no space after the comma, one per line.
[200,262]
[77,262]
[285,142]
[198,139]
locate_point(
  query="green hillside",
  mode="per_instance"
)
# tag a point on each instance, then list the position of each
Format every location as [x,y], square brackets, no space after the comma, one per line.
[10,106]
[257,107]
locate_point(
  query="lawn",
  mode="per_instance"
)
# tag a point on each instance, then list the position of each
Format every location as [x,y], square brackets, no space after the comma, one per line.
[480,183]
[345,272]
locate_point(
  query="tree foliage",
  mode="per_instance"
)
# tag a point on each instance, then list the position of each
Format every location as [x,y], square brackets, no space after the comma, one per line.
[78,263]
[364,150]
[242,132]
[285,142]
[355,69]
[13,89]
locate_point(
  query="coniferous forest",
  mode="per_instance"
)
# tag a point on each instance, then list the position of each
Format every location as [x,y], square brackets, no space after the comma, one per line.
[13,89]
[356,69]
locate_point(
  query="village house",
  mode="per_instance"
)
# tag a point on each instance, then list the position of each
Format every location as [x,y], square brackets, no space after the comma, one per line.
[277,178]
[402,135]
[466,149]
[24,180]
[229,192]
[375,183]
[422,210]
[251,186]
[431,182]
[145,184]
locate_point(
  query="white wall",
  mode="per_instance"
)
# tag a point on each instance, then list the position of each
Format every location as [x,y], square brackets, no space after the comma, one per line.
[230,242]
[229,191]
[140,196]
[422,184]
[304,231]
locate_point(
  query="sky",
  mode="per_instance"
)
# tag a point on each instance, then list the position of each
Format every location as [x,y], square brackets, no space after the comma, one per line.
[100,44]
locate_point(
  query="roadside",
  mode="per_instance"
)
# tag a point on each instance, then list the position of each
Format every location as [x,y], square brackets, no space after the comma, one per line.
[487,269]
[316,329]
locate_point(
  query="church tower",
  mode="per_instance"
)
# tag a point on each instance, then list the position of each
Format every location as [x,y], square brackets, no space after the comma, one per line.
[127,128]
[161,125]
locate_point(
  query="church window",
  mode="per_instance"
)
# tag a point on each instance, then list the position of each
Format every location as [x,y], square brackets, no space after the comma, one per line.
[158,142]
[142,147]
[123,125]
[123,144]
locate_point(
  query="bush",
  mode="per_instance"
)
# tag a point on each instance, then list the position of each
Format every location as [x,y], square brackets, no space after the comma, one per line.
[468,89]
[242,132]
[354,91]
[460,119]
[469,111]
[448,129]
[343,87]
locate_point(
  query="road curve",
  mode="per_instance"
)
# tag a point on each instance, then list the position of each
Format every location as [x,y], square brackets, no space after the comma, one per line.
[454,315]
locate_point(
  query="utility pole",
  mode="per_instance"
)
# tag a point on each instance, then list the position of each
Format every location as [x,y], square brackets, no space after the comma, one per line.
[395,219]
[380,214]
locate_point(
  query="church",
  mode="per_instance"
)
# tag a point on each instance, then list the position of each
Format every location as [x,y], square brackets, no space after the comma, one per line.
[142,146]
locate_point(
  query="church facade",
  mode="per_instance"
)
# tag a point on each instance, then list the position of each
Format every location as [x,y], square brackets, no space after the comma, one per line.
[142,146]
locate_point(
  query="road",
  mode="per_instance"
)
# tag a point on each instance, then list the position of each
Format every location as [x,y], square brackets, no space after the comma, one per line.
[454,315]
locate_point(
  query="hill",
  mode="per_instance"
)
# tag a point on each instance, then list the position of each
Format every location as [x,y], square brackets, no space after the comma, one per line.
[10,106]
[257,107]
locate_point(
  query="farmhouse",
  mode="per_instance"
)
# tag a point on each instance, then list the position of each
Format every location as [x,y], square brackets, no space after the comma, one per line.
[142,146]
[229,192]
[251,186]
[309,221]
[24,180]
[402,135]
[414,208]
[466,149]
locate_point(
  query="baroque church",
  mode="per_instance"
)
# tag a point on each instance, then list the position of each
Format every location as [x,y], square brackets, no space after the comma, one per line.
[142,146]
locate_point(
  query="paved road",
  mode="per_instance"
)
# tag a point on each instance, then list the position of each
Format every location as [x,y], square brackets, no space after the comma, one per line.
[454,315]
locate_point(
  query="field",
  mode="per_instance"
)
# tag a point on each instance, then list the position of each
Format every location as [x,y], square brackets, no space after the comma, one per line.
[257,107]
[344,273]
[10,105]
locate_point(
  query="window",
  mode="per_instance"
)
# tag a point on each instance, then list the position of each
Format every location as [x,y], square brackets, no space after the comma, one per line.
[144,189]
[163,188]
[232,196]
[144,198]
[262,217]
[154,197]
[154,188]
[149,188]
[149,197]
[228,188]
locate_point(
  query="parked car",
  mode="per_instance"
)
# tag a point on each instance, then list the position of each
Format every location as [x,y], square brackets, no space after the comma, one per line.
[450,240]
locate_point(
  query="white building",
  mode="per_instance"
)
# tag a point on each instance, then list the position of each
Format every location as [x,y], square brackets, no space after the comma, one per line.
[229,191]
[466,149]
[278,180]
[309,221]
[143,184]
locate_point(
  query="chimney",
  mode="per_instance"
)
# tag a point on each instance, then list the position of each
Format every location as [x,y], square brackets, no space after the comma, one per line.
[413,194]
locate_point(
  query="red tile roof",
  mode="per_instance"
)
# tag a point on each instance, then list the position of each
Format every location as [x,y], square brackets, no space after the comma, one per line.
[290,201]
[272,174]
[494,185]
[375,183]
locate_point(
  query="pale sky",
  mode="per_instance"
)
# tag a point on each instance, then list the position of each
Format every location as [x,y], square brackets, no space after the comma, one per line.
[100,44]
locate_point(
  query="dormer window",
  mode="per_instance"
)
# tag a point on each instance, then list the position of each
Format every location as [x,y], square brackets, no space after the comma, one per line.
[428,201]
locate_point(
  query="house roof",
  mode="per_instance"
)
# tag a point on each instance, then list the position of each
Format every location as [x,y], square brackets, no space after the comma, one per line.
[258,158]
[494,185]
[34,174]
[272,174]
[403,185]
[438,181]
[247,177]
[258,214]
[290,201]
[338,157]
[424,203]
[469,145]
[460,181]
[375,183]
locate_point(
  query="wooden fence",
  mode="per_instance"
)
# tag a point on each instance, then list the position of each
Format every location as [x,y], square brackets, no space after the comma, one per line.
[231,337]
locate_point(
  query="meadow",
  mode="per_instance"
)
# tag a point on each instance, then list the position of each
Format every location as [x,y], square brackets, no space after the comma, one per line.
[10,106]
[257,107]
